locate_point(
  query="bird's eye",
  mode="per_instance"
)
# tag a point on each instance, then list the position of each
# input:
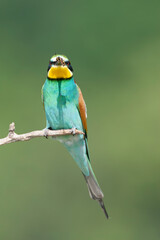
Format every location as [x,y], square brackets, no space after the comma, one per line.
[49,66]
[69,65]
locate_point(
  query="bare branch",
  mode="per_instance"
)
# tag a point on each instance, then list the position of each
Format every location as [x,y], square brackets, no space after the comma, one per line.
[13,137]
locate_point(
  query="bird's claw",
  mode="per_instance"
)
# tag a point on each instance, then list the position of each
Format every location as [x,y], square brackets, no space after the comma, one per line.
[46,133]
[73,131]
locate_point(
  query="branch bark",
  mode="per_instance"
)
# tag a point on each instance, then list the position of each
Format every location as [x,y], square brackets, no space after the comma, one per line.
[14,137]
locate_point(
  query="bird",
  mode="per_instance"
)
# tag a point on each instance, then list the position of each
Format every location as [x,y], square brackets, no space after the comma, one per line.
[65,108]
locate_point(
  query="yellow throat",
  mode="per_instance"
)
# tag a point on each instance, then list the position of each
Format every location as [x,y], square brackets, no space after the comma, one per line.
[59,72]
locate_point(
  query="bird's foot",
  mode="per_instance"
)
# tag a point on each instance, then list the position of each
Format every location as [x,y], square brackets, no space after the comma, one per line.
[46,133]
[74,131]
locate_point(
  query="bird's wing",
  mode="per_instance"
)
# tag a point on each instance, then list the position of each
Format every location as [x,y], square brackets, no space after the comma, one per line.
[82,111]
[83,114]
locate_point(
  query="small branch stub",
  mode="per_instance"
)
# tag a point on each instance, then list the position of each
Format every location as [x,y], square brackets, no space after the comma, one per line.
[11,129]
[13,137]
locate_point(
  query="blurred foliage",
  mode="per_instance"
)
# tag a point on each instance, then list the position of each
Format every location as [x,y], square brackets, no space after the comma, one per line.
[114,47]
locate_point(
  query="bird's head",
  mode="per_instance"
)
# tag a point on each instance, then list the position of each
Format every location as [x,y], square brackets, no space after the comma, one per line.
[59,68]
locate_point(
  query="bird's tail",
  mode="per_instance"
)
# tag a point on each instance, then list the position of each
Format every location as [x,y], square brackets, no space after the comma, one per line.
[94,189]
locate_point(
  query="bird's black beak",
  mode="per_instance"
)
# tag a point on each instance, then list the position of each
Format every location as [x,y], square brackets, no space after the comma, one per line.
[59,61]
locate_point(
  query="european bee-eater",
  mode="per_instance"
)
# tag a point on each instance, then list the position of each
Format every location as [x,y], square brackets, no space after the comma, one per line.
[65,109]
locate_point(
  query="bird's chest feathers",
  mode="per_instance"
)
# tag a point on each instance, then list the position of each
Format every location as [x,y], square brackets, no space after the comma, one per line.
[62,96]
[61,100]
[60,92]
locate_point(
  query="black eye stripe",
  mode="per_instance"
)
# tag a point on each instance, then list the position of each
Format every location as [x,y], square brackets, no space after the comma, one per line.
[52,62]
[66,62]
[69,65]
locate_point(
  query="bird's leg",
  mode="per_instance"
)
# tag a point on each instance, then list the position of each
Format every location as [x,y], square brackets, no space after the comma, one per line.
[74,131]
[46,132]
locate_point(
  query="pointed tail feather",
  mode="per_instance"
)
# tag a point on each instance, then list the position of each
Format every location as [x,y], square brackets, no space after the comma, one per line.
[103,207]
[94,189]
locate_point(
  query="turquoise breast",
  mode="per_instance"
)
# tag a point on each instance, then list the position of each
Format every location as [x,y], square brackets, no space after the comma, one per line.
[60,101]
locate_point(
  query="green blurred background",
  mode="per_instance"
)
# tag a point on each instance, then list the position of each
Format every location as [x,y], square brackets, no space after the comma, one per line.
[114,47]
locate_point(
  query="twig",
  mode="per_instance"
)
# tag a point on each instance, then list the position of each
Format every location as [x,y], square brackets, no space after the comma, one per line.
[13,137]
